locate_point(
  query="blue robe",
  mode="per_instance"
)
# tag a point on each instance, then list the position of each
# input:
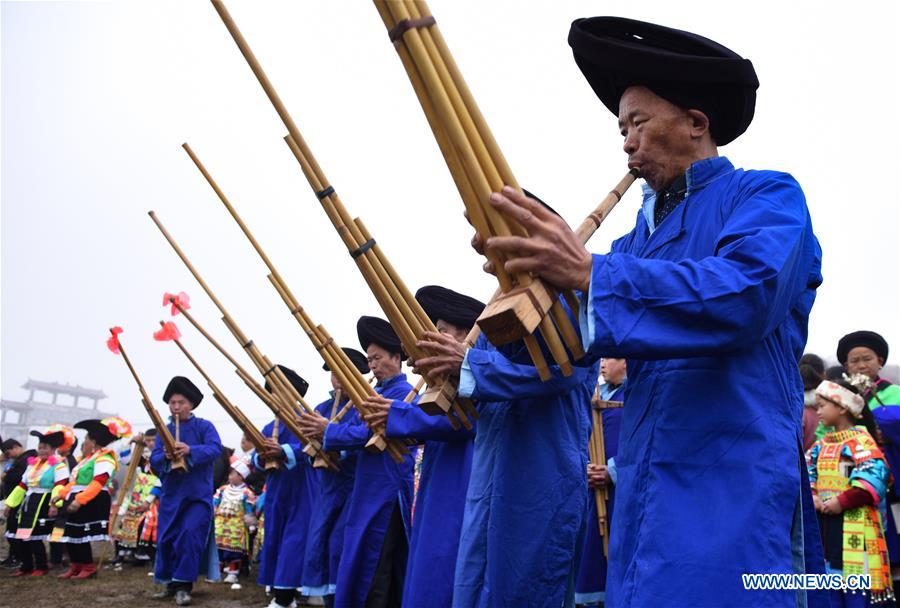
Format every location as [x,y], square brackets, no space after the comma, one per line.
[440,502]
[185,540]
[591,580]
[380,484]
[888,419]
[289,500]
[527,500]
[711,311]
[328,519]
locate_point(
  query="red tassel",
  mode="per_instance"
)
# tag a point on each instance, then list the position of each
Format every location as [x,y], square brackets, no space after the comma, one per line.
[169,331]
[182,298]
[112,343]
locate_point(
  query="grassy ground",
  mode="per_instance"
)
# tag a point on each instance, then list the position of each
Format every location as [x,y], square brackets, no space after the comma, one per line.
[129,587]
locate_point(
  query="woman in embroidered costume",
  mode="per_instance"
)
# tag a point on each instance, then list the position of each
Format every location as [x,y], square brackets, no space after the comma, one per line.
[234,503]
[138,502]
[45,471]
[84,503]
[849,478]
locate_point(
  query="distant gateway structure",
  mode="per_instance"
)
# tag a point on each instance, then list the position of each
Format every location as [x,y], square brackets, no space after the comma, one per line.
[17,418]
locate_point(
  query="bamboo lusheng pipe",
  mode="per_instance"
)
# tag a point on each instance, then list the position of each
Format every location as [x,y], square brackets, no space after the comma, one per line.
[162,430]
[350,377]
[272,402]
[282,396]
[130,474]
[404,313]
[584,232]
[597,452]
[240,419]
[443,92]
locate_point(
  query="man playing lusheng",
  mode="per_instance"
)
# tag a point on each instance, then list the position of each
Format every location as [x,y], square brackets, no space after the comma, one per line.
[708,298]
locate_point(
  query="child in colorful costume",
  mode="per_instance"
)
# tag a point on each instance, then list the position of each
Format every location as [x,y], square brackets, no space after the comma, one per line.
[234,503]
[849,478]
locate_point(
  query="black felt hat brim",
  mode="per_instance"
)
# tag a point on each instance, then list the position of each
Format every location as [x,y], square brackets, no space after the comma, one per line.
[296,380]
[688,70]
[451,306]
[869,339]
[97,431]
[359,360]
[372,330]
[179,385]
[54,440]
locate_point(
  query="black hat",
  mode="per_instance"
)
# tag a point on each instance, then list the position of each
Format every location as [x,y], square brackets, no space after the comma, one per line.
[97,431]
[182,386]
[54,440]
[359,360]
[688,70]
[151,432]
[869,339]
[372,330]
[299,384]
[451,306]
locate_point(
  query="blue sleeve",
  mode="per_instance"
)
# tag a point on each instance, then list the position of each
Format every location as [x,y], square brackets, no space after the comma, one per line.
[347,435]
[493,377]
[209,448]
[407,420]
[732,299]
[158,462]
[290,455]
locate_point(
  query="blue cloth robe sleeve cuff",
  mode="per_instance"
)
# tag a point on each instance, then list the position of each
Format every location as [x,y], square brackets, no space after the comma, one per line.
[467,378]
[585,313]
[613,471]
[289,456]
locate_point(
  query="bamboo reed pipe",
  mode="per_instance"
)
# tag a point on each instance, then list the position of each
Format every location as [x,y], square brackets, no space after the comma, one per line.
[419,43]
[161,428]
[130,474]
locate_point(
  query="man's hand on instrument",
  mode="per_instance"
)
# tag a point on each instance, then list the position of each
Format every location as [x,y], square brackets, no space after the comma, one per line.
[552,251]
[446,358]
[598,476]
[181,449]
[271,448]
[380,408]
[313,425]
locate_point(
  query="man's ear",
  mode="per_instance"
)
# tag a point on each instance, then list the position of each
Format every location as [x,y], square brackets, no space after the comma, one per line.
[699,123]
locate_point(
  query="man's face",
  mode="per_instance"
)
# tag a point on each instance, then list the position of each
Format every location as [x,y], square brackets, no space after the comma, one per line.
[863,360]
[613,370]
[382,363]
[14,452]
[457,333]
[659,136]
[180,407]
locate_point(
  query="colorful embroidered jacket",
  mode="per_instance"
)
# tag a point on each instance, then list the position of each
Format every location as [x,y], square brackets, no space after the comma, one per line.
[232,504]
[89,477]
[40,477]
[848,459]
[886,393]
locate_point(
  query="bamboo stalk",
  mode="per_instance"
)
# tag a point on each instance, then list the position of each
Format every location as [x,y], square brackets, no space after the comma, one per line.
[350,377]
[130,474]
[162,430]
[283,399]
[478,167]
[600,494]
[395,299]
[240,419]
